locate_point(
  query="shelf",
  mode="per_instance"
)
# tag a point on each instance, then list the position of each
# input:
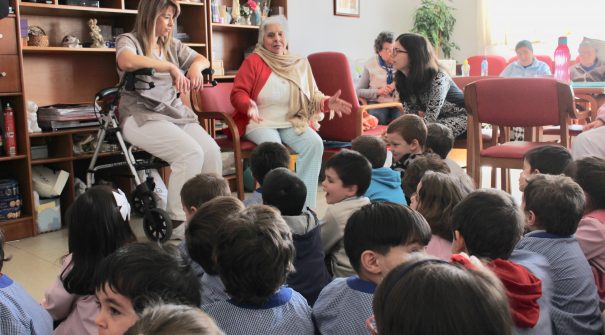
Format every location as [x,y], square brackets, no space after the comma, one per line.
[29,49]
[223,26]
[195,45]
[10,94]
[12,158]
[27,8]
[51,160]
[64,132]
[188,3]
[226,76]
[23,218]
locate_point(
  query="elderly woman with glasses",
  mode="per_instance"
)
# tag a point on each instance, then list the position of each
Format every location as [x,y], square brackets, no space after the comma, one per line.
[276,100]
[377,83]
[424,87]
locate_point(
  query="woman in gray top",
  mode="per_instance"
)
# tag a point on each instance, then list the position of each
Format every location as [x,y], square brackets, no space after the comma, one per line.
[155,119]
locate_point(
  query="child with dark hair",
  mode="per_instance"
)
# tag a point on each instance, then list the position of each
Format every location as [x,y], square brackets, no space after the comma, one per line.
[21,314]
[589,173]
[553,207]
[254,254]
[377,238]
[195,192]
[135,277]
[440,140]
[432,297]
[285,191]
[488,224]
[547,159]
[436,196]
[96,228]
[200,238]
[386,183]
[264,158]
[417,169]
[171,319]
[406,136]
[347,177]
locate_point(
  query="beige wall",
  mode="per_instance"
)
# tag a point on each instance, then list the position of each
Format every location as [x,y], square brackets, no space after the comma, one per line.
[314,28]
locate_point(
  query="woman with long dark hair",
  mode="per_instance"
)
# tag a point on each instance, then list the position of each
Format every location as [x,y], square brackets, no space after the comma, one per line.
[424,87]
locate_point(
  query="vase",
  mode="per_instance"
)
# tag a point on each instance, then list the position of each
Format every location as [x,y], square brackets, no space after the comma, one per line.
[256,17]
[248,20]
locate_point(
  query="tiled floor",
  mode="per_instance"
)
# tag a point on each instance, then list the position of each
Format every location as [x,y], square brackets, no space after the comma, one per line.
[36,261]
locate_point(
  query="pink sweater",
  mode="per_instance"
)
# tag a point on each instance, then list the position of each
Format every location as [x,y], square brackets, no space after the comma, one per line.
[77,312]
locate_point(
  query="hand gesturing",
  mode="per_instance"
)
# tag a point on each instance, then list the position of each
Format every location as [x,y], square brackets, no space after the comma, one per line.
[338,105]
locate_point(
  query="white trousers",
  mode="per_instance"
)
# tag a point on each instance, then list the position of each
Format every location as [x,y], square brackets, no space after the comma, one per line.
[589,143]
[187,148]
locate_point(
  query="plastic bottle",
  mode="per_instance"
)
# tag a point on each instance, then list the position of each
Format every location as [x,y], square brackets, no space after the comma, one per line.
[466,68]
[214,8]
[484,67]
[9,131]
[562,57]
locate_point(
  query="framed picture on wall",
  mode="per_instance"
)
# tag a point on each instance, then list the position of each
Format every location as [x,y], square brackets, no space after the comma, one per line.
[346,7]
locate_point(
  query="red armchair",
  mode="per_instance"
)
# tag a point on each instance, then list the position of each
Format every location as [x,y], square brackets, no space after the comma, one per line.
[332,73]
[496,65]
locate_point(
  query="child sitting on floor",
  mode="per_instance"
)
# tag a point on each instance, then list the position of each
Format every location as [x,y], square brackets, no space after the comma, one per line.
[135,277]
[386,183]
[264,158]
[488,224]
[254,254]
[347,177]
[285,191]
[547,159]
[200,238]
[377,238]
[553,207]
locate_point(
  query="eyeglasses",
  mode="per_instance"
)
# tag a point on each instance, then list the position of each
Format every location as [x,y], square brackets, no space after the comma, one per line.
[396,51]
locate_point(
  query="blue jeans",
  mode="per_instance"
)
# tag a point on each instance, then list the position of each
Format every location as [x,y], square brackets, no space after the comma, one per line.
[309,148]
[385,115]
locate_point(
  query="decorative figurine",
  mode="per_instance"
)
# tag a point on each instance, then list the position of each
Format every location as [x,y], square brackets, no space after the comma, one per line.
[235,15]
[32,117]
[95,33]
[70,41]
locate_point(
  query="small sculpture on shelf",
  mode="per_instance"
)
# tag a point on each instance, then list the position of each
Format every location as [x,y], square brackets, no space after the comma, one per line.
[95,33]
[70,41]
[235,12]
[32,117]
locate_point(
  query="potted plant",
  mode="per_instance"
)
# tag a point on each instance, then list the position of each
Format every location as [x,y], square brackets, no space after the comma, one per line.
[435,20]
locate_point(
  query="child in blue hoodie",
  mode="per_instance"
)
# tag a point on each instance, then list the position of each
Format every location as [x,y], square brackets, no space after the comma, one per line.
[386,183]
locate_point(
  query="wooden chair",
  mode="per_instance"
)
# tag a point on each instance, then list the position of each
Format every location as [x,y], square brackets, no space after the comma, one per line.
[495,64]
[514,102]
[211,104]
[332,73]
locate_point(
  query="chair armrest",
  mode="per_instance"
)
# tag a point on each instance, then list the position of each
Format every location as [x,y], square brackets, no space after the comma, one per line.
[397,105]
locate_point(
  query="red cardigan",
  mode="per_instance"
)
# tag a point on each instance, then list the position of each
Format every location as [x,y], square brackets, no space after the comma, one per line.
[249,81]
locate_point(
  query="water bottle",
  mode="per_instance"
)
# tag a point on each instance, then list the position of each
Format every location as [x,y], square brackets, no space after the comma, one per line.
[466,68]
[9,131]
[562,57]
[484,67]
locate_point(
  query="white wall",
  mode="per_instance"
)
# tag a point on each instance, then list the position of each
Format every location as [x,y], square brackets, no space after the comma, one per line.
[314,28]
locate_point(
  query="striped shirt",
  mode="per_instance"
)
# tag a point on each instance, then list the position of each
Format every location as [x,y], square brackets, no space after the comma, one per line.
[213,289]
[19,312]
[575,303]
[286,312]
[343,306]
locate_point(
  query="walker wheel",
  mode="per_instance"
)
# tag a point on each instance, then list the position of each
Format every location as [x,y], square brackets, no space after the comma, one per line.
[157,225]
[138,201]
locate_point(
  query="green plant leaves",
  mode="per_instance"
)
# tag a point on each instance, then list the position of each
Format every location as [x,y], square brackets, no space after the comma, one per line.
[435,20]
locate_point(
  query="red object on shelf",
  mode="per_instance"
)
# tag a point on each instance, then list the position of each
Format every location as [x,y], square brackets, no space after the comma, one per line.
[10,143]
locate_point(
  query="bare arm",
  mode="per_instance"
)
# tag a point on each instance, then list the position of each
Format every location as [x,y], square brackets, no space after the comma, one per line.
[194,73]
[129,61]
